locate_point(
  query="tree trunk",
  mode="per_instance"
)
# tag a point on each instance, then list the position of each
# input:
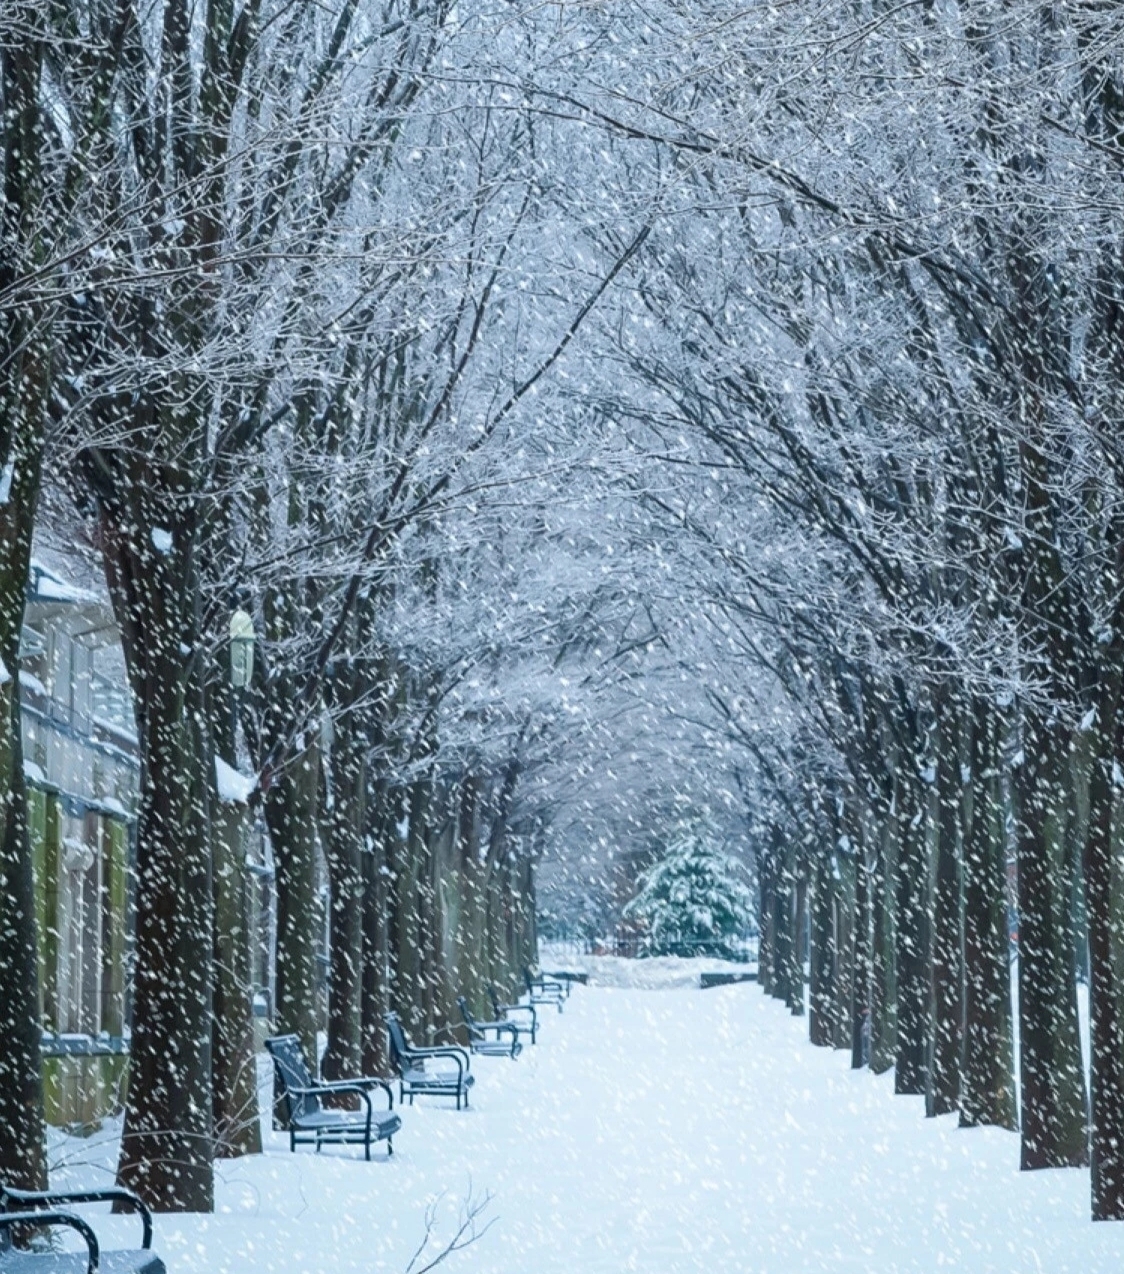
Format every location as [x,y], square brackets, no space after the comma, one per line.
[783,959]
[1054,1128]
[821,958]
[860,986]
[843,947]
[942,1091]
[987,1091]
[237,1123]
[24,389]
[408,934]
[883,972]
[167,1144]
[22,1157]
[798,921]
[1103,900]
[290,814]
[913,936]
[344,819]
[766,945]
[375,990]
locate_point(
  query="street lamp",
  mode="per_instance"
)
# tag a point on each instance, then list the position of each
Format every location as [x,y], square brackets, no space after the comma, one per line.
[241,649]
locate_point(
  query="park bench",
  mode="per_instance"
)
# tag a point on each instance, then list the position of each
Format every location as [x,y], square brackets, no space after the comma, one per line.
[478,1041]
[502,1011]
[311,1122]
[22,1208]
[569,976]
[414,1079]
[542,990]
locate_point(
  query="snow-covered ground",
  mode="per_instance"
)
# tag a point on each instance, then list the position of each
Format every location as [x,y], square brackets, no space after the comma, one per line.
[663,1130]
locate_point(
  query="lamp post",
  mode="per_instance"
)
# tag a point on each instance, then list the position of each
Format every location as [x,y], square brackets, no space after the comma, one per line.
[242,638]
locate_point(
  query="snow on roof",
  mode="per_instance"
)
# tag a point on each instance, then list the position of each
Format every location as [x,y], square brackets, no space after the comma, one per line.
[48,585]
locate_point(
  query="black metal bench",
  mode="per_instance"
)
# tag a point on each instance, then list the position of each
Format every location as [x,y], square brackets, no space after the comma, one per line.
[414,1080]
[478,1041]
[569,976]
[542,990]
[503,1012]
[23,1208]
[310,1122]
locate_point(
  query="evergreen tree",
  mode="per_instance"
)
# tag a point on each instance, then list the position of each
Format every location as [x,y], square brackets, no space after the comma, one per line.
[695,900]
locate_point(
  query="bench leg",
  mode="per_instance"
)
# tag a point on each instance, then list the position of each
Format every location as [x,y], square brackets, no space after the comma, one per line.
[390,1147]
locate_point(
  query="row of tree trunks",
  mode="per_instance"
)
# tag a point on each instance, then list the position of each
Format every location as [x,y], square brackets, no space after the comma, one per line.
[907,928]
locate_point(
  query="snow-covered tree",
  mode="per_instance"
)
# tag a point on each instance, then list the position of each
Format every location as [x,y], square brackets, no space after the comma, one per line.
[694,900]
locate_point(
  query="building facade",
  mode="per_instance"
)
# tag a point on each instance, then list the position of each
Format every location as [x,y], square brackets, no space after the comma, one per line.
[82,769]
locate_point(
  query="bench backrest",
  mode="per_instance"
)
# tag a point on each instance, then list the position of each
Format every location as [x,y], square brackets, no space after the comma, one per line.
[293,1072]
[466,1012]
[399,1046]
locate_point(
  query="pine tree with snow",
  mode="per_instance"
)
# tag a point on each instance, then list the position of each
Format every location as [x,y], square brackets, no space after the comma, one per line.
[695,900]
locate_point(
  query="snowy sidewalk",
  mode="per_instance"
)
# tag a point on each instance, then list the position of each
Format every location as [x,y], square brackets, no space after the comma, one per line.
[663,1131]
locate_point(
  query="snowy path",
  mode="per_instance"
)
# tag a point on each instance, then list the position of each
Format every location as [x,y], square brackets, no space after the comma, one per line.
[665,1132]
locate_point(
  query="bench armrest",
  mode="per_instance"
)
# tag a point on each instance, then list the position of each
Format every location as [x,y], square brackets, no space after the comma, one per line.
[363,1081]
[343,1086]
[107,1194]
[519,1008]
[49,1216]
[498,1027]
[457,1054]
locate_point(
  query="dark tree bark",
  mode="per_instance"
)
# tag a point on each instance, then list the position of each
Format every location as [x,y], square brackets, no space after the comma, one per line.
[987,1093]
[913,937]
[234,1066]
[1054,1113]
[1103,895]
[766,947]
[167,1144]
[290,814]
[822,939]
[24,387]
[883,973]
[843,947]
[375,988]
[344,821]
[942,1091]
[861,988]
